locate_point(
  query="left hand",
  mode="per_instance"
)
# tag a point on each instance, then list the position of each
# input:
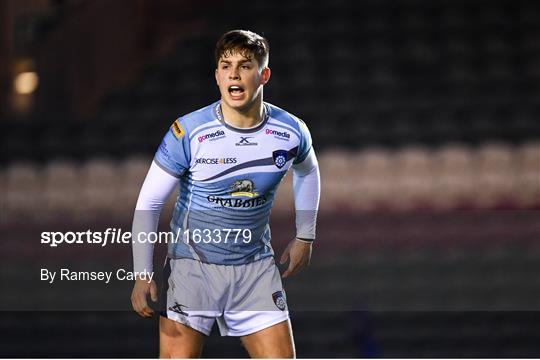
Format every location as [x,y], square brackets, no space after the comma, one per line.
[298,253]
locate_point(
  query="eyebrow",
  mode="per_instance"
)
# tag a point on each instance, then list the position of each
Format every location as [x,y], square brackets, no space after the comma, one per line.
[240,62]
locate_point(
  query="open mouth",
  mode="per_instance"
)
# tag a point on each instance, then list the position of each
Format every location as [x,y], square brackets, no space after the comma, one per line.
[235,90]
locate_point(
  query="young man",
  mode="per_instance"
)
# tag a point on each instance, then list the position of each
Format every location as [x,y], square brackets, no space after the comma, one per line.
[228,159]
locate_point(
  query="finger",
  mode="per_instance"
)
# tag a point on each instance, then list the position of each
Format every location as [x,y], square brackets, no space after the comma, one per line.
[137,306]
[145,311]
[135,303]
[290,270]
[139,311]
[285,274]
[153,292]
[148,312]
[286,253]
[140,305]
[296,266]
[284,257]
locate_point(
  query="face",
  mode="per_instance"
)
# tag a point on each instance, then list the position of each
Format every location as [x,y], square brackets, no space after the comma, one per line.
[240,80]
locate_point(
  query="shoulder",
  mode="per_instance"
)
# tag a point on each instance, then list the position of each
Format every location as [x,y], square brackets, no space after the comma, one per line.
[197,119]
[278,116]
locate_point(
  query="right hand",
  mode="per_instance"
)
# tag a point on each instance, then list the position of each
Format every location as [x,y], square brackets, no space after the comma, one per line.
[139,296]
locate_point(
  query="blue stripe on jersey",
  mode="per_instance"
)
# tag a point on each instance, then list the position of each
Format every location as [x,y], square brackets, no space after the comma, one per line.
[166,169]
[191,136]
[178,213]
[259,162]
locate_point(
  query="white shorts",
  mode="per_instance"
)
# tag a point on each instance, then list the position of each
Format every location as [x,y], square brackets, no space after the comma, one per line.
[242,298]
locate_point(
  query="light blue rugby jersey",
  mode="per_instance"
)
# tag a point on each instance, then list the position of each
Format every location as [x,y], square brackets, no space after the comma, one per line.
[228,179]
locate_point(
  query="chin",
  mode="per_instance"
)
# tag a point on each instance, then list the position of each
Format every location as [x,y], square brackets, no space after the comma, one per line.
[239,104]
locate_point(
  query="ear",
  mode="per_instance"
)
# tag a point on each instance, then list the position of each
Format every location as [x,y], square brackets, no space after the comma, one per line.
[216,76]
[265,75]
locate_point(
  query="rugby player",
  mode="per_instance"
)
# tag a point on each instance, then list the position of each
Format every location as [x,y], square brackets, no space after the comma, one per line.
[228,159]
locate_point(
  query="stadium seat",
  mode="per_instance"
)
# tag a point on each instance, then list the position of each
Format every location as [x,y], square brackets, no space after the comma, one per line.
[527,183]
[132,171]
[335,172]
[373,181]
[415,177]
[495,174]
[102,181]
[62,185]
[454,179]
[24,191]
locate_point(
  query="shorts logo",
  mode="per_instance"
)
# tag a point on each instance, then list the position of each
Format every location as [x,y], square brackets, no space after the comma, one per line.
[212,136]
[177,129]
[278,134]
[177,308]
[243,188]
[280,158]
[279,300]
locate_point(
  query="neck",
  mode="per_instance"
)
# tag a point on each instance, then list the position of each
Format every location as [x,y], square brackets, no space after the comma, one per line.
[243,118]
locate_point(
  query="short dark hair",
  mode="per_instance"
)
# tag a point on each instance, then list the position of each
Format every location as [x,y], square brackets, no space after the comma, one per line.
[246,43]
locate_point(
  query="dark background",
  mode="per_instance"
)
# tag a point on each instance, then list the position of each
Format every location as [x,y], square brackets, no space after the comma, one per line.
[424,114]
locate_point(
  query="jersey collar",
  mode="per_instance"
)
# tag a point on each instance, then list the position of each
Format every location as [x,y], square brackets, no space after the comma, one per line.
[219,115]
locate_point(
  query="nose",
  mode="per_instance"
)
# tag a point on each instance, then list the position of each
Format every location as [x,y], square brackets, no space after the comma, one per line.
[234,74]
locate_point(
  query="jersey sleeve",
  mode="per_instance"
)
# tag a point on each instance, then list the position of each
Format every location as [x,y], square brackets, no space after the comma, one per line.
[305,143]
[174,154]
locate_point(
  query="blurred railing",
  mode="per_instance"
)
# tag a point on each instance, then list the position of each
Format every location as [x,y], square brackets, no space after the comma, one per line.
[493,176]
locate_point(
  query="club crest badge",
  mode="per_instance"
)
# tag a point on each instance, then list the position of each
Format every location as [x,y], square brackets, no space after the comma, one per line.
[279,300]
[280,158]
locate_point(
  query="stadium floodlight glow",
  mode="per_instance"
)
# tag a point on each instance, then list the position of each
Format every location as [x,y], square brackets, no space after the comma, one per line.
[26,82]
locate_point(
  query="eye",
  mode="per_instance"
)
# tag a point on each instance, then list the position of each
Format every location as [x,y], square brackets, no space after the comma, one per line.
[224,66]
[245,67]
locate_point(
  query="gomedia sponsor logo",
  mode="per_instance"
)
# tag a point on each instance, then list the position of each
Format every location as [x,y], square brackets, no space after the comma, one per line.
[278,134]
[212,136]
[240,190]
[216,161]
